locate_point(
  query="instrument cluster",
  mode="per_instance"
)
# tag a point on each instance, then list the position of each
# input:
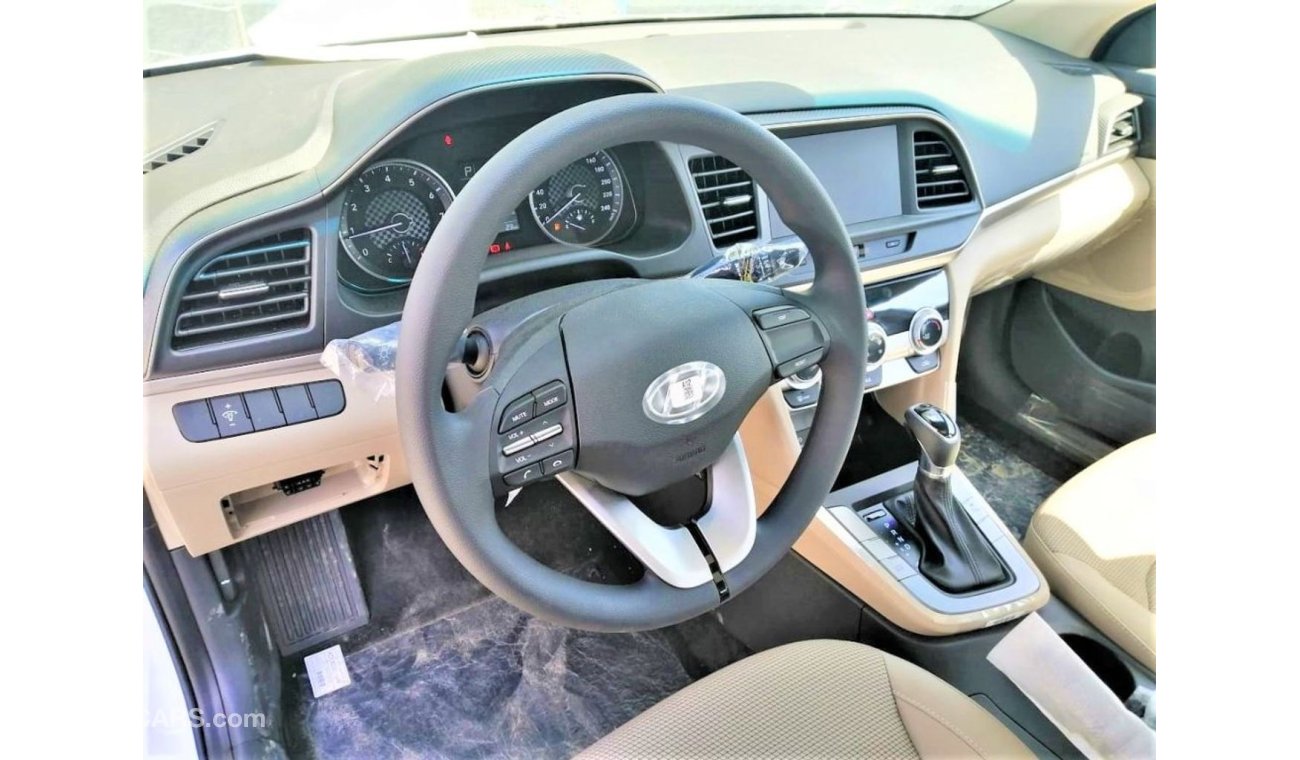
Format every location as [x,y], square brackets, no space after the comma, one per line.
[391,208]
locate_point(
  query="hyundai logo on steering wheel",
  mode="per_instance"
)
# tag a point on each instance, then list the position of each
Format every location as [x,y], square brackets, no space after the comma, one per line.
[684,393]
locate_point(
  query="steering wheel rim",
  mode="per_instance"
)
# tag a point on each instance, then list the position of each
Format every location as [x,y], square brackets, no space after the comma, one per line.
[447,451]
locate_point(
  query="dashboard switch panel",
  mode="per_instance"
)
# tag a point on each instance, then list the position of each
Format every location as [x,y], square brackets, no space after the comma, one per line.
[254,411]
[232,416]
[264,409]
[195,421]
[296,403]
[327,397]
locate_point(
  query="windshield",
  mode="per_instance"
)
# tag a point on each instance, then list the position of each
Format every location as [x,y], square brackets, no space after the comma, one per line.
[183,29]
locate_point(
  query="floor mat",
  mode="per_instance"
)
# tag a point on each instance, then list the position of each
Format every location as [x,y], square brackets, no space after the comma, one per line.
[446,669]
[1011,485]
[489,681]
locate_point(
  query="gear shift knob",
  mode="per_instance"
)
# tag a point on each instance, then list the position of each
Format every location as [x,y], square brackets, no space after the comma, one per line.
[937,434]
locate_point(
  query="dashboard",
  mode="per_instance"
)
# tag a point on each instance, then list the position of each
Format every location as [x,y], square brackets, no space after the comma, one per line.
[288,203]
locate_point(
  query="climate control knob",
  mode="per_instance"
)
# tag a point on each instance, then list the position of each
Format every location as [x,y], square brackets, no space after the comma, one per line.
[877,340]
[927,331]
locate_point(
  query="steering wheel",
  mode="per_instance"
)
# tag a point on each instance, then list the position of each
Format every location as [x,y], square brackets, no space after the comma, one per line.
[647,382]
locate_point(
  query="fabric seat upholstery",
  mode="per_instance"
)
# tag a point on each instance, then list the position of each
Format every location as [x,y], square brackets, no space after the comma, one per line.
[1095,541]
[823,699]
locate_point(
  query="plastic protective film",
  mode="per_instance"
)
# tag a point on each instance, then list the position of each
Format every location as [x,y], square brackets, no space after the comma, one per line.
[367,361]
[750,262]
[1043,666]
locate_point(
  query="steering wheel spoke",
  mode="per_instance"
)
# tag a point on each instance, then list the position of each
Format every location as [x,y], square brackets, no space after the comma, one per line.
[534,429]
[683,556]
[793,334]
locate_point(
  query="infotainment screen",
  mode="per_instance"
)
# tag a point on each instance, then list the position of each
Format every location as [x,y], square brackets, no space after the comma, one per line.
[858,168]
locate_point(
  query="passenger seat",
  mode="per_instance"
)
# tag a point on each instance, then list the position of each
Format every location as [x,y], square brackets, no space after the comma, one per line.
[1095,541]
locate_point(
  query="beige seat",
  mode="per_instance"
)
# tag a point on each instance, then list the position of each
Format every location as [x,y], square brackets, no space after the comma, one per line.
[1095,541]
[824,699]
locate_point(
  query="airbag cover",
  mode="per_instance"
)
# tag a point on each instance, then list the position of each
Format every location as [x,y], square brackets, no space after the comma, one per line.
[619,347]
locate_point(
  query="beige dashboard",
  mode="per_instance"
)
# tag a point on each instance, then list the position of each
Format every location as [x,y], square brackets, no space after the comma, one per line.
[209,495]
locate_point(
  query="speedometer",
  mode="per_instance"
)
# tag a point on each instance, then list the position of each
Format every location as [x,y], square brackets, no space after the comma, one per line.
[580,204]
[389,212]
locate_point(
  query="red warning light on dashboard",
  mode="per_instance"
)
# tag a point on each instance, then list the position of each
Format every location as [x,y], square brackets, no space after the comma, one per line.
[499,247]
[446,140]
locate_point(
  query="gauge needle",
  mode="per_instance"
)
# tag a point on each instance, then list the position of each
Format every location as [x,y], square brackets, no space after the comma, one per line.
[562,209]
[392,226]
[406,253]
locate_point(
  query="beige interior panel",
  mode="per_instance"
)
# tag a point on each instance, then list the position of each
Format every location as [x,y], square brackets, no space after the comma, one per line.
[1071,26]
[1121,272]
[209,495]
[827,545]
[1026,235]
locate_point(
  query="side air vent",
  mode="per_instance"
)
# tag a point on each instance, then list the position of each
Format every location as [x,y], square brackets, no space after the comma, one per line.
[940,179]
[726,195]
[1123,128]
[179,149]
[256,289]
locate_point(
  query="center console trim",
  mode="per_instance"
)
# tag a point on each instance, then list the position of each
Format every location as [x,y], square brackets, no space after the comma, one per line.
[992,602]
[830,547]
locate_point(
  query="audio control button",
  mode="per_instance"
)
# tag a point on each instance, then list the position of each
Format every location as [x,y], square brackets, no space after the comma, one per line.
[517,446]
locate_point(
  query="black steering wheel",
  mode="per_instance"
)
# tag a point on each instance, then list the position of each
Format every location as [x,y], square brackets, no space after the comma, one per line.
[647,381]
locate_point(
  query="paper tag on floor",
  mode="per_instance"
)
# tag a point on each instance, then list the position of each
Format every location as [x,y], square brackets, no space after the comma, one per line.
[327,671]
[1065,689]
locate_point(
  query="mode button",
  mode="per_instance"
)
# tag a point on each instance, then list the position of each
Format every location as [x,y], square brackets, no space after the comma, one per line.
[550,396]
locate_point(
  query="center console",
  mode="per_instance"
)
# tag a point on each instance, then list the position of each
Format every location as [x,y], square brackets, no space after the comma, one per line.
[907,324]
[918,542]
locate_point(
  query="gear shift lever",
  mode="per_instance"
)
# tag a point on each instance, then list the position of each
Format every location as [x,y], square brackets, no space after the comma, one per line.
[955,555]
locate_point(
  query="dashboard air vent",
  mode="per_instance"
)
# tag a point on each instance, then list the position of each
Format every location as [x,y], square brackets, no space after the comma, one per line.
[1123,128]
[726,195]
[940,179]
[255,289]
[179,149]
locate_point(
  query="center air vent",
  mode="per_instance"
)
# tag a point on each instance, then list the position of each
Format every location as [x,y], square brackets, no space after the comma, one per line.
[940,179]
[726,195]
[255,289]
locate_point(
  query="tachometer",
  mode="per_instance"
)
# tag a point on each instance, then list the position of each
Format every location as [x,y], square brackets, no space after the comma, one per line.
[389,212]
[581,203]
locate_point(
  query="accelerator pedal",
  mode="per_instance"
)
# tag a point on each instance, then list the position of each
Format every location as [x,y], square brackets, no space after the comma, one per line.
[307,580]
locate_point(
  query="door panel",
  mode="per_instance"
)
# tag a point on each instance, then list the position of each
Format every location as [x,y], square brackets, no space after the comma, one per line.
[1094,361]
